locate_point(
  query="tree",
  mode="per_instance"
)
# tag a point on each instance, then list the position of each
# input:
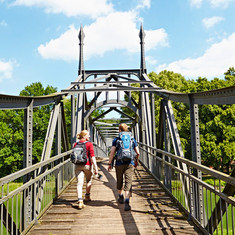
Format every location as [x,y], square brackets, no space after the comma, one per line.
[11,141]
[216,122]
[41,116]
[175,82]
[11,131]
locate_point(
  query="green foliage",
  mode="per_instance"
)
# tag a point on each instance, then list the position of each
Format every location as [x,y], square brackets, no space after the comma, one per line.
[12,135]
[36,89]
[177,83]
[41,116]
[214,182]
[217,122]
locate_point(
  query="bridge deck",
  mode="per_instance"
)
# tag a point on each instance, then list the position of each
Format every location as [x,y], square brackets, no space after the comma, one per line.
[152,212]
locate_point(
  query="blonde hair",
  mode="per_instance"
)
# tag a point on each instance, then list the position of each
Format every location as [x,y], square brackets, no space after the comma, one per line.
[123,127]
[82,134]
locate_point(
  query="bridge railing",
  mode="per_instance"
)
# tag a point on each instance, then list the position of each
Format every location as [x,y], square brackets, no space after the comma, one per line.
[217,214]
[46,181]
[99,152]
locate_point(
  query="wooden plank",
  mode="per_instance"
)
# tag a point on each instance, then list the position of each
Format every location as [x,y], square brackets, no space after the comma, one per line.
[152,210]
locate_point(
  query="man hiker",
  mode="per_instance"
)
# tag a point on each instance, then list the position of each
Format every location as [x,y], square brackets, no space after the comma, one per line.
[127,155]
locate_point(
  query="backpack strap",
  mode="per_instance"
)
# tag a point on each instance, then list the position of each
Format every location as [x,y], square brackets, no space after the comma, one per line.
[89,156]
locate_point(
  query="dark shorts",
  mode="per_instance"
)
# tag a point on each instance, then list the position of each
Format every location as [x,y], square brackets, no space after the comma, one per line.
[124,172]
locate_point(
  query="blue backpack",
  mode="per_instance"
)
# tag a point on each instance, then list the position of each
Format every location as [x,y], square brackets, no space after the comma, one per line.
[125,151]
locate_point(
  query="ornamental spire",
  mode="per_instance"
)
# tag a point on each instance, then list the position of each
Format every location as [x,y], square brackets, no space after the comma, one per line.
[142,60]
[81,37]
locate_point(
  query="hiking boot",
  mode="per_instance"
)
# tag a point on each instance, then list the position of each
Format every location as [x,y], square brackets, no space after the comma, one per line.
[81,205]
[127,206]
[120,199]
[87,198]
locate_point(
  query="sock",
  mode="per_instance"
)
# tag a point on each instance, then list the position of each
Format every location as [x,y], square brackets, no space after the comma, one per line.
[127,200]
[87,194]
[80,199]
[120,195]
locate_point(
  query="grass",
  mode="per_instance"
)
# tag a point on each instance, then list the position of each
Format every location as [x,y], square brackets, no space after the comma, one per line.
[210,200]
[14,205]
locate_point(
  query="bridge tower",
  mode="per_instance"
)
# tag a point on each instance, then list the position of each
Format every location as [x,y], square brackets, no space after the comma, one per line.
[106,84]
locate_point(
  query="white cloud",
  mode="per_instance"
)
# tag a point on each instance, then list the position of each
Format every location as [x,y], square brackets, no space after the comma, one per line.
[64,47]
[91,8]
[213,3]
[6,69]
[196,3]
[3,23]
[143,4]
[215,61]
[151,60]
[210,22]
[116,31]
[220,3]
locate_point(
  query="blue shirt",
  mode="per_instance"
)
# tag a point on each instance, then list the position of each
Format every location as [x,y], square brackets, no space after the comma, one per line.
[118,162]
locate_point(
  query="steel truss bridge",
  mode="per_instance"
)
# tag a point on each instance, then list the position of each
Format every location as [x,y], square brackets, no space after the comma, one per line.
[212,208]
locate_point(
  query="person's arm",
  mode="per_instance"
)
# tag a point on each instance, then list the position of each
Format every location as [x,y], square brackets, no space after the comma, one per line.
[111,156]
[93,161]
[137,156]
[91,152]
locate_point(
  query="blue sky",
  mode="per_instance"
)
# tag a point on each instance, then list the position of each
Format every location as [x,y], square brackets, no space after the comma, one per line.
[39,38]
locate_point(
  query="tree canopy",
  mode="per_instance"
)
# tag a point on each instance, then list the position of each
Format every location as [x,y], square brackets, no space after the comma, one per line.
[217,122]
[11,131]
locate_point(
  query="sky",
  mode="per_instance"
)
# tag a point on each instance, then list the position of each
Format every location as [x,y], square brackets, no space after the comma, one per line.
[39,38]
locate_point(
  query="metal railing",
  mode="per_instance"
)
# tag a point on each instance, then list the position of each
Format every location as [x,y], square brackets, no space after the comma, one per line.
[21,207]
[99,152]
[217,213]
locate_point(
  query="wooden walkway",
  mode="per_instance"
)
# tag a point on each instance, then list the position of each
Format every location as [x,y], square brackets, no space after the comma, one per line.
[152,210]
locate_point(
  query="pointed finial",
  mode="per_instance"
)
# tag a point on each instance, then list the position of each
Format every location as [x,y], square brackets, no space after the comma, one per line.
[142,33]
[142,60]
[81,37]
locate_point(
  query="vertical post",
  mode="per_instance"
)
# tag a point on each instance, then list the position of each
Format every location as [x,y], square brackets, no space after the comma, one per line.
[58,178]
[196,157]
[28,135]
[160,138]
[141,95]
[142,59]
[81,37]
[58,132]
[143,127]
[152,105]
[167,148]
[73,138]
[28,207]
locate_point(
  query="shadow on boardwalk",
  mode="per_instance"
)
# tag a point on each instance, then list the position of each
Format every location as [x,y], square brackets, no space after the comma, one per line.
[153,211]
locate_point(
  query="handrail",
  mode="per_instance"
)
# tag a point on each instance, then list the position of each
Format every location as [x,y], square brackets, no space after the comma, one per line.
[7,179]
[31,182]
[217,209]
[220,175]
[46,186]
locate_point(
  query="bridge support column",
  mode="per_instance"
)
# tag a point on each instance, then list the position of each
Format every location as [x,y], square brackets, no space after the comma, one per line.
[73,134]
[197,191]
[142,128]
[27,213]
[59,176]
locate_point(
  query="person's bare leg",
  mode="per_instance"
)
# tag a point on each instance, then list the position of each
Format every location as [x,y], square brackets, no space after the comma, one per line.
[127,194]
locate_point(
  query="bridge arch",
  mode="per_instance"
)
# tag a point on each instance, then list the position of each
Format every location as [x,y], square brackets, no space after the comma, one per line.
[114,101]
